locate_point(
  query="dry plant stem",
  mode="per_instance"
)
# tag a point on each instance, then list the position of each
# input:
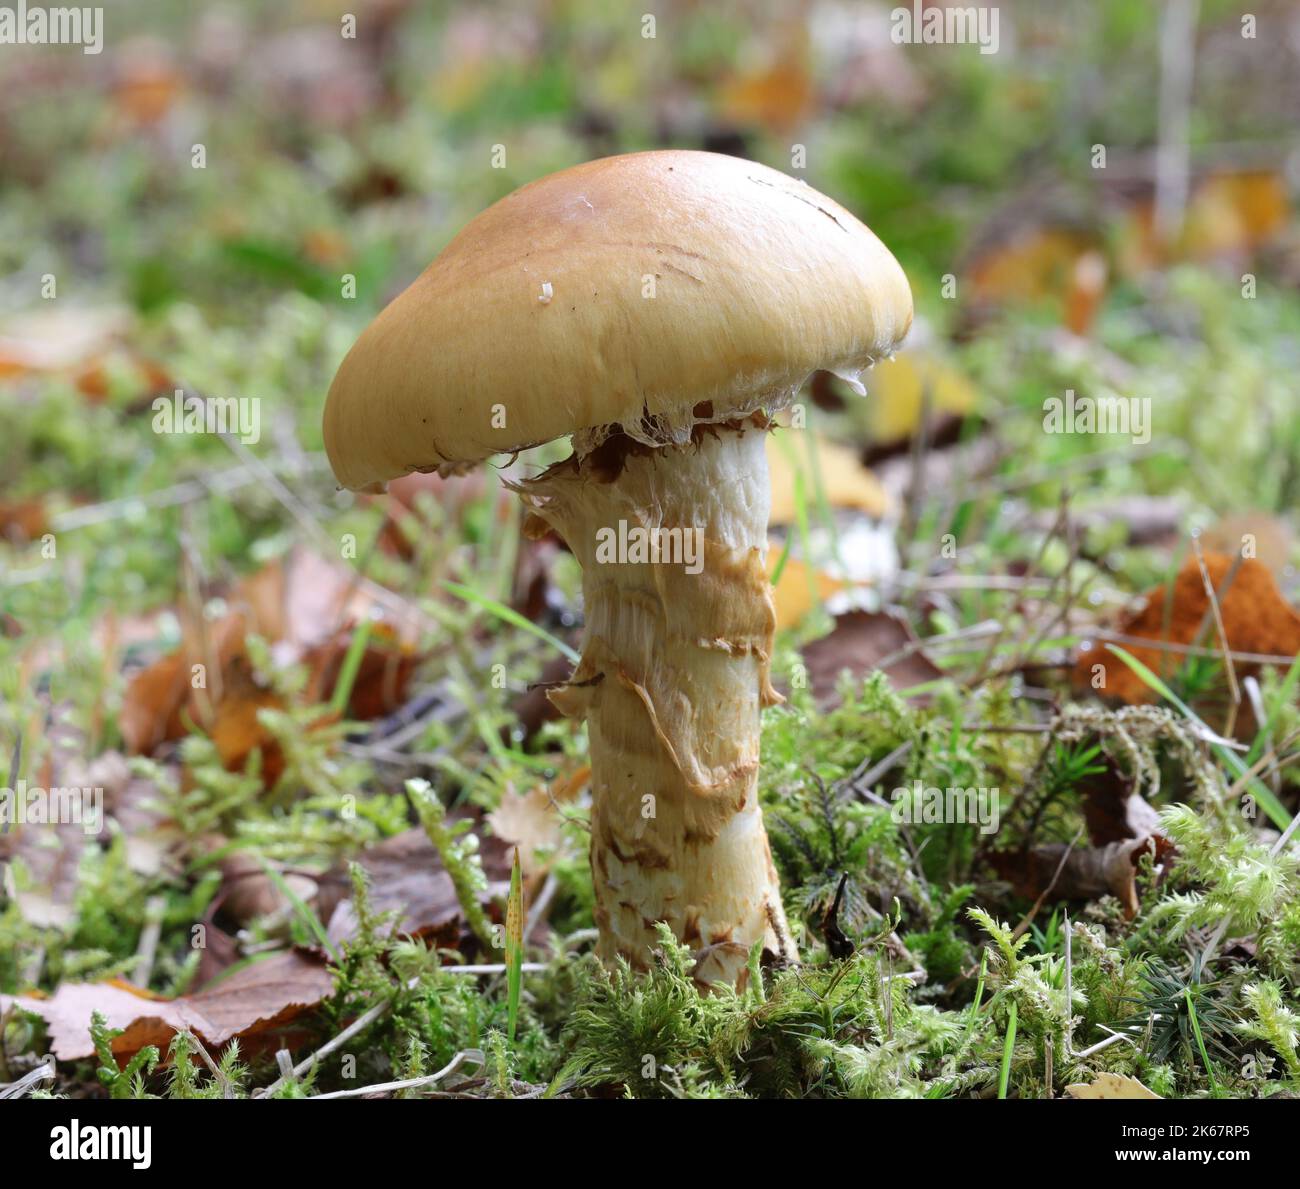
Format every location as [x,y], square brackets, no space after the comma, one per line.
[673,678]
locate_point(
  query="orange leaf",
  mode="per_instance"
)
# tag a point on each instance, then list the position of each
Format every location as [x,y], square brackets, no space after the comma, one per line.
[258,999]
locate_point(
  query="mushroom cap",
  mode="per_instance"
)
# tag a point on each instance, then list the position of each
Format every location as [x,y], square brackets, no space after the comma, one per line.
[650,291]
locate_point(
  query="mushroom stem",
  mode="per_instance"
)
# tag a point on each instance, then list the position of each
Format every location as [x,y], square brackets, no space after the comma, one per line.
[674,674]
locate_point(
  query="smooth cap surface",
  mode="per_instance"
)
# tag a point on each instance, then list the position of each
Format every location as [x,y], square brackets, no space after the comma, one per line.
[650,291]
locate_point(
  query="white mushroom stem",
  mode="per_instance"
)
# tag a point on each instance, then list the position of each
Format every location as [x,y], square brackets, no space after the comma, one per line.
[674,674]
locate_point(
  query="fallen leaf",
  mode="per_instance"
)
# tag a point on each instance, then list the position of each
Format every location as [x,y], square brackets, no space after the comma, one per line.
[406,878]
[1031,265]
[382,678]
[303,606]
[859,641]
[1112,810]
[897,390]
[531,822]
[259,999]
[1234,212]
[799,589]
[47,855]
[1229,214]
[405,514]
[148,81]
[248,892]
[60,338]
[1256,619]
[22,521]
[1110,1085]
[823,465]
[776,97]
[1087,873]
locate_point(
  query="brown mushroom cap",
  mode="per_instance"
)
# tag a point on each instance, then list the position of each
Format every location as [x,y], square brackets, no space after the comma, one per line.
[651,291]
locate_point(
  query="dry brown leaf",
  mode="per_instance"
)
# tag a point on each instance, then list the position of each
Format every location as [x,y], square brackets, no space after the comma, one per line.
[303,605]
[858,643]
[1256,619]
[382,678]
[59,337]
[248,891]
[531,821]
[22,521]
[1035,263]
[50,853]
[1086,873]
[148,81]
[406,878]
[1234,212]
[259,999]
[1112,810]
[405,518]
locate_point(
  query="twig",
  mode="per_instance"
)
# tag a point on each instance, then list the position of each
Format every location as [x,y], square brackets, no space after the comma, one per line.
[1047,891]
[542,904]
[19,1089]
[475,1055]
[1177,54]
[227,1090]
[187,491]
[864,777]
[1246,658]
[1233,687]
[361,1023]
[149,935]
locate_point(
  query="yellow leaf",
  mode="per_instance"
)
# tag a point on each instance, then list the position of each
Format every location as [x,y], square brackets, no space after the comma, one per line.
[1033,264]
[1110,1085]
[799,590]
[776,97]
[895,390]
[830,467]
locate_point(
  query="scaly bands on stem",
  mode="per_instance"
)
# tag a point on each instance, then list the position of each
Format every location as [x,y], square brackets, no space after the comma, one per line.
[674,675]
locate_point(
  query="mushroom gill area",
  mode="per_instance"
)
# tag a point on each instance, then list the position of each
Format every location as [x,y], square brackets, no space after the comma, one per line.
[673,677]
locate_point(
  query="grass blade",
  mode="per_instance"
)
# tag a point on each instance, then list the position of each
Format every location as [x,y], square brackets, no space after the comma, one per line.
[1004,1077]
[514,944]
[350,668]
[1264,795]
[511,616]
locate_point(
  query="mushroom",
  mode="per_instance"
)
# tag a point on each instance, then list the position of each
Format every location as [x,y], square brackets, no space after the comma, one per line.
[658,307]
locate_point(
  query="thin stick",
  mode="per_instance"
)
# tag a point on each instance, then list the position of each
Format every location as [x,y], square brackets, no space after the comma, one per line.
[309,524]
[358,1025]
[1247,658]
[227,1091]
[149,935]
[1047,891]
[475,1055]
[864,777]
[185,492]
[1223,635]
[19,1089]
[537,913]
[1177,54]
